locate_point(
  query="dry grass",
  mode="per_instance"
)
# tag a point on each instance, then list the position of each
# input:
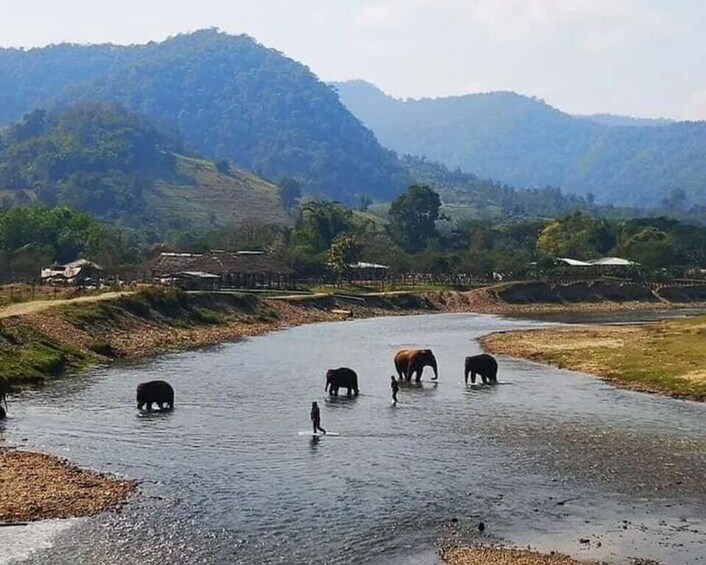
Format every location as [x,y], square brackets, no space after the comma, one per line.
[209,197]
[35,486]
[667,357]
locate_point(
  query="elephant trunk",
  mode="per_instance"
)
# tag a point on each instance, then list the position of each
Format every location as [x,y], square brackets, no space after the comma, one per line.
[433,366]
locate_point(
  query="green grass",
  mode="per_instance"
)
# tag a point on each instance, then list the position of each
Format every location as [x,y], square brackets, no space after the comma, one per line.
[30,359]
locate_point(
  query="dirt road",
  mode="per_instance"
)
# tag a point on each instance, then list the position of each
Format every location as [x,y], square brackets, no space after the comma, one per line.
[22,308]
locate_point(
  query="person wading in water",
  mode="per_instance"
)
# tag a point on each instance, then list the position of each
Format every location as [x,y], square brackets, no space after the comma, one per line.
[316,418]
[395,387]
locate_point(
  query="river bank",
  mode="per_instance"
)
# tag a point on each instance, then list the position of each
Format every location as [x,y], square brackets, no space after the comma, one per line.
[38,346]
[222,463]
[665,357]
[36,486]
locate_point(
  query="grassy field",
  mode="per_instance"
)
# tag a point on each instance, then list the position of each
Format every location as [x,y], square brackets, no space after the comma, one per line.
[667,357]
[212,198]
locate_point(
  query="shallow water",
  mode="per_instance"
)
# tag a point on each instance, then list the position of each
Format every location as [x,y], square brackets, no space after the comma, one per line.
[545,458]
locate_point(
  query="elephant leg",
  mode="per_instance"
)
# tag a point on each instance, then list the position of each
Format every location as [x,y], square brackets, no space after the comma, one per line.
[419,375]
[485,378]
[473,377]
[149,406]
[350,392]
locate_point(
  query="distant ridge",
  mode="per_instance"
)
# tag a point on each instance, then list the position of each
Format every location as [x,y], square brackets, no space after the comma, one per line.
[228,96]
[523,141]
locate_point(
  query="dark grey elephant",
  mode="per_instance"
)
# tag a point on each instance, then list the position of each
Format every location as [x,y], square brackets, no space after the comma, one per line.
[484,365]
[4,389]
[342,377]
[410,362]
[160,393]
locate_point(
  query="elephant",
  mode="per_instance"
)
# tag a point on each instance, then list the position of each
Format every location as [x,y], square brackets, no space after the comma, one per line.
[484,365]
[155,392]
[341,378]
[412,361]
[4,389]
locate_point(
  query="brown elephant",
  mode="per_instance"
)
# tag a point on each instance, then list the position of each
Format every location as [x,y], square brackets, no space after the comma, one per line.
[409,362]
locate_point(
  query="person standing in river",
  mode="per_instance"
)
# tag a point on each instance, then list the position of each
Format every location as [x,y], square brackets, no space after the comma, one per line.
[395,387]
[316,418]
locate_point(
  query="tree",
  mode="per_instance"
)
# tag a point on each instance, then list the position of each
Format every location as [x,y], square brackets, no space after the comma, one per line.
[676,200]
[413,217]
[577,236]
[223,167]
[344,251]
[652,248]
[290,193]
[319,223]
[363,202]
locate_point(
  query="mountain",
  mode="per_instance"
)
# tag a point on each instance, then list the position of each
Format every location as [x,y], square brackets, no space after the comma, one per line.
[614,120]
[525,142]
[117,166]
[228,97]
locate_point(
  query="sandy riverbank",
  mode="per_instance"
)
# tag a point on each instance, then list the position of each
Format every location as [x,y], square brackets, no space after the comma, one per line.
[35,486]
[665,357]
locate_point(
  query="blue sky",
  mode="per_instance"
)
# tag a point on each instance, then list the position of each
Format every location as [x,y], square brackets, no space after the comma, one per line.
[634,57]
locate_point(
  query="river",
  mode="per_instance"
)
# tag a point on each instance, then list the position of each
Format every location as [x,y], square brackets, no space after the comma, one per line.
[546,458]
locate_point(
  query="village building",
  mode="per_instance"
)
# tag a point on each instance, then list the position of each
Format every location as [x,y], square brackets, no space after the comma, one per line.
[220,269]
[77,273]
[362,271]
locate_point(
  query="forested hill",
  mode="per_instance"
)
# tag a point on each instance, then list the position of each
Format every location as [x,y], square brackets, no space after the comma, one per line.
[228,96]
[525,142]
[98,158]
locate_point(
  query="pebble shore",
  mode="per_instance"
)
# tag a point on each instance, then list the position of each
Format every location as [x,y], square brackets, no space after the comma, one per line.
[502,556]
[36,486]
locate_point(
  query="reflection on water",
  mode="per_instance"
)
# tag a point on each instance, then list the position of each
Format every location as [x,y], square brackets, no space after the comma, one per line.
[226,477]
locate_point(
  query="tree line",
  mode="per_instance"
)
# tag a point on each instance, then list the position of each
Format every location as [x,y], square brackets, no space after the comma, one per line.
[326,237]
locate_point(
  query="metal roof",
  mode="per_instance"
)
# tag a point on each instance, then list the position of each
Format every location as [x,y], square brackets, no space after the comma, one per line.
[363,265]
[613,261]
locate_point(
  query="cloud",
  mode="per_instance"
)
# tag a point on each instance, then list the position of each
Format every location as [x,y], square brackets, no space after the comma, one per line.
[380,14]
[598,24]
[695,107]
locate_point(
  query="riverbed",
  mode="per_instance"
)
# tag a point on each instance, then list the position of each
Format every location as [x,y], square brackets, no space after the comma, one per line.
[554,459]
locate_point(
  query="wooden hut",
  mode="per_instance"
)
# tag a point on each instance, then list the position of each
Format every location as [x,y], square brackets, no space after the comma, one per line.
[243,269]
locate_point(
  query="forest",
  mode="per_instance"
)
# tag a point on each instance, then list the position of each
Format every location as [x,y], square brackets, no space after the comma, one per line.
[227,96]
[525,142]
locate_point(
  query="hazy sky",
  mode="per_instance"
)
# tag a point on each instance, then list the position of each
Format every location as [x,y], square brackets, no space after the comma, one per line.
[635,57]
